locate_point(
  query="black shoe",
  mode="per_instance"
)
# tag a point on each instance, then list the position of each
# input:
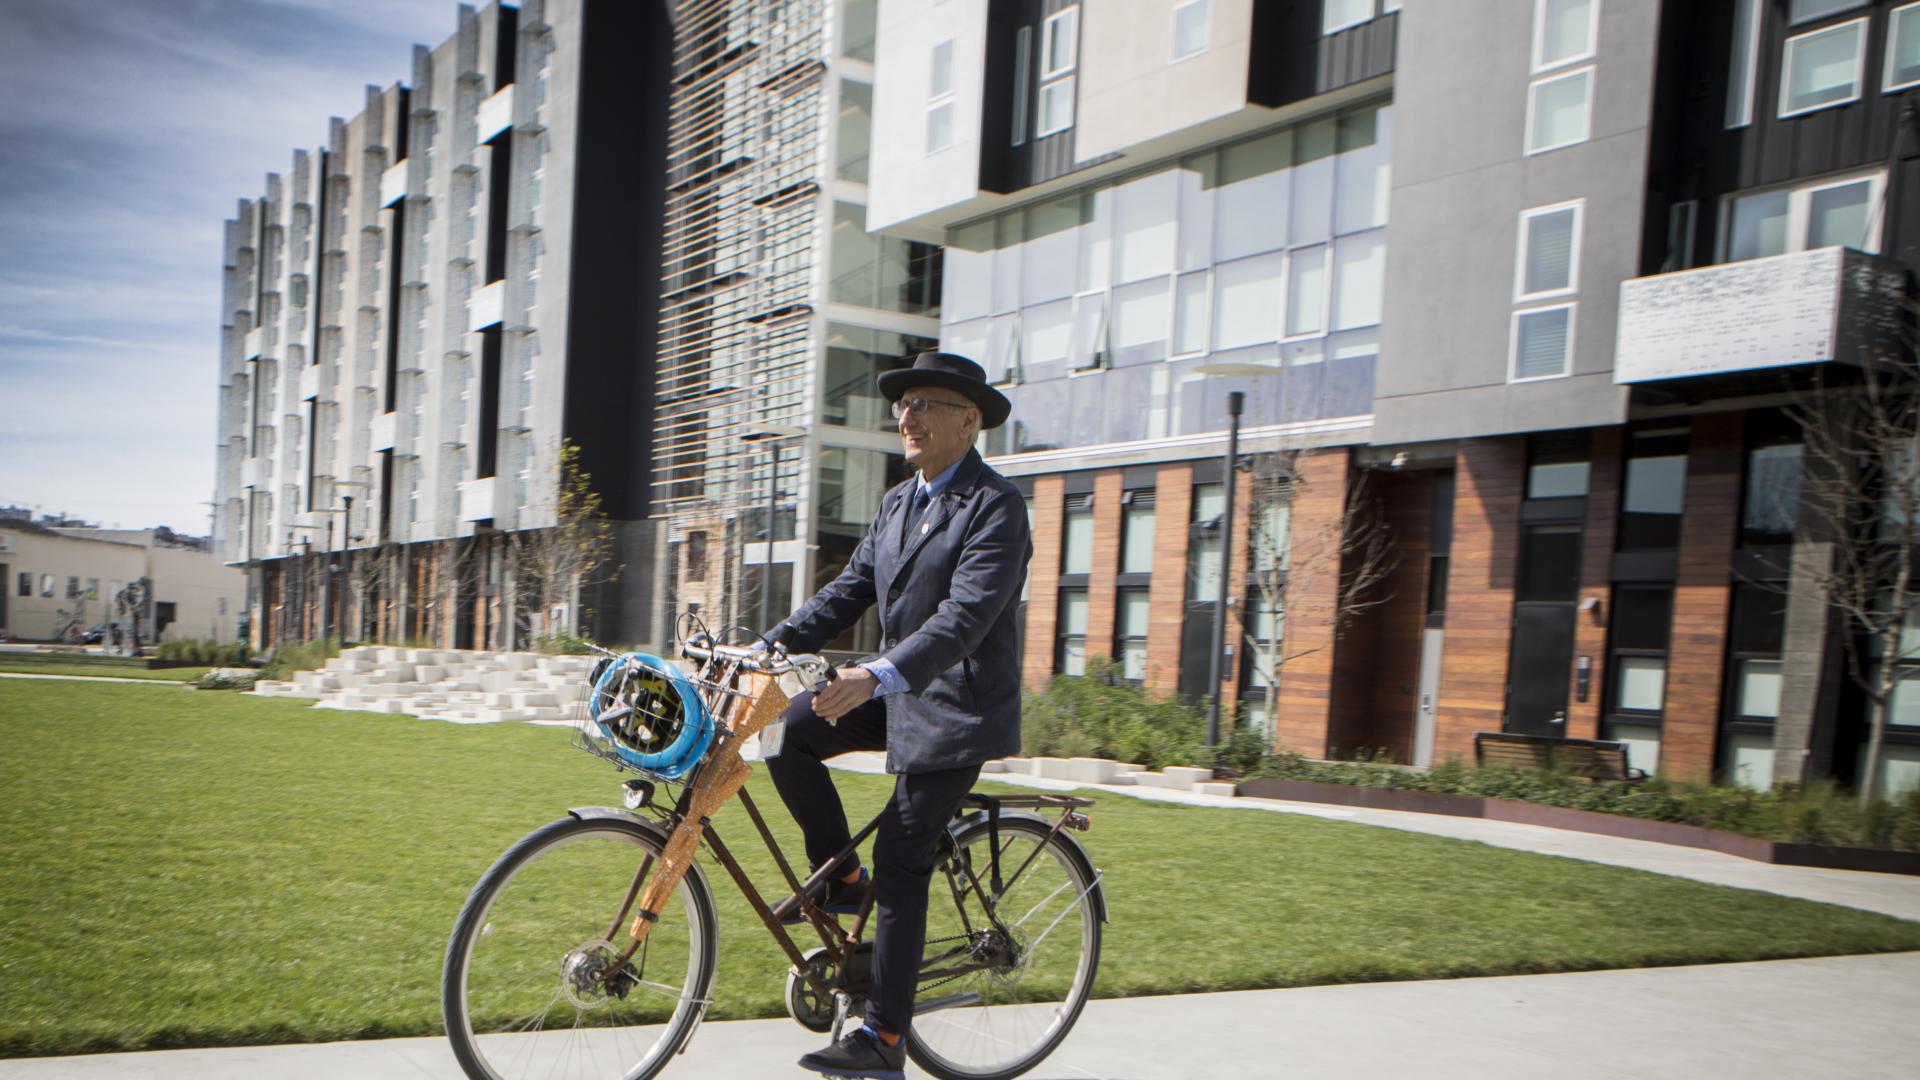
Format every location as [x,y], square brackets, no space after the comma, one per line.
[841,897]
[860,1054]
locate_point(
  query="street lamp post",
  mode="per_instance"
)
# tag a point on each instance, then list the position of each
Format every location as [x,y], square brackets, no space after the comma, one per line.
[770,434]
[1235,401]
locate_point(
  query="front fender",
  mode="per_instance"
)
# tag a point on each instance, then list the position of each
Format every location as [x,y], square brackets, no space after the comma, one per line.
[659,831]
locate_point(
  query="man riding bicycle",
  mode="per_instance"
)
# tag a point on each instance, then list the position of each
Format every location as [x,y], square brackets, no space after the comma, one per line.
[945,560]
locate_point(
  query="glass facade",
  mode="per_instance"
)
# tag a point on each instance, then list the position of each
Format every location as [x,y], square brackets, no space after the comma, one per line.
[1094,309]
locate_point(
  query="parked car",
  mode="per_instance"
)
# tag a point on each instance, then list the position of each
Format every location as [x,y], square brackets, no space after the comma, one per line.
[106,633]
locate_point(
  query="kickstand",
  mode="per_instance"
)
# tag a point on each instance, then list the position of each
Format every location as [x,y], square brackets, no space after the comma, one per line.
[841,1002]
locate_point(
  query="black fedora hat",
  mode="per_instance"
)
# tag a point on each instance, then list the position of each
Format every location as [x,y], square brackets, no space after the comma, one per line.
[953,372]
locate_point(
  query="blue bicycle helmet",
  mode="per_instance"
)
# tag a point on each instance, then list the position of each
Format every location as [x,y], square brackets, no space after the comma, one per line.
[652,715]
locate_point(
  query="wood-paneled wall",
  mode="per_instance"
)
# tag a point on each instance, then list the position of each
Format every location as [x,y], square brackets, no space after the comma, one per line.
[1043,578]
[1377,696]
[1489,480]
[1101,600]
[1596,584]
[1167,596]
[1696,652]
[1303,711]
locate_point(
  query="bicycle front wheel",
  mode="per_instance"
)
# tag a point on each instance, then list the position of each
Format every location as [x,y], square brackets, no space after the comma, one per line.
[536,983]
[997,996]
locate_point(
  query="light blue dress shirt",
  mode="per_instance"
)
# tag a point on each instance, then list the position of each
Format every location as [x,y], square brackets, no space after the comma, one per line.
[890,679]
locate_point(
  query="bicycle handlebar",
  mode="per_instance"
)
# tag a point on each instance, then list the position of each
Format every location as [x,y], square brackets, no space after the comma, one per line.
[774,660]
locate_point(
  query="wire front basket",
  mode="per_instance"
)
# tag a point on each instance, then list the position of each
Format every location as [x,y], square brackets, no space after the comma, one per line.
[643,714]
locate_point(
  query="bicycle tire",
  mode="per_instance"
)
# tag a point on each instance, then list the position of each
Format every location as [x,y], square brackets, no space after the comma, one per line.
[518,988]
[1023,1011]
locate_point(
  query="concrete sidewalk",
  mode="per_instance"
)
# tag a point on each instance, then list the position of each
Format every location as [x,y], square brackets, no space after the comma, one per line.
[1839,1016]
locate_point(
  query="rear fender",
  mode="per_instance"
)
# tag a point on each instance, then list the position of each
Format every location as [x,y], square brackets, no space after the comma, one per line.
[967,820]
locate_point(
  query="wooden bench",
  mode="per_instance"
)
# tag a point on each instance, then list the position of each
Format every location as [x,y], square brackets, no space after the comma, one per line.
[1593,759]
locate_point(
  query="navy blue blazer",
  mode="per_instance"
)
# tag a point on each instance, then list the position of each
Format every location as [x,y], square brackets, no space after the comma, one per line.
[948,590]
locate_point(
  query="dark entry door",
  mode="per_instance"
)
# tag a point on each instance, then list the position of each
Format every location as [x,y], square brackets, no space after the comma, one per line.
[1541,665]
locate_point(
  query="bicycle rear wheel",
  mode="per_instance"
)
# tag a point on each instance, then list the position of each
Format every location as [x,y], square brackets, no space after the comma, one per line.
[1000,1021]
[534,985]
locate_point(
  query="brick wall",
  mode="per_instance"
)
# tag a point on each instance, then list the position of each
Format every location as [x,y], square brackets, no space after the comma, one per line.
[1489,475]
[1701,593]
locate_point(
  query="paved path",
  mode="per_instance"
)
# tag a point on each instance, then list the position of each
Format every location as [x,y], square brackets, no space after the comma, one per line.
[1783,1020]
[90,678]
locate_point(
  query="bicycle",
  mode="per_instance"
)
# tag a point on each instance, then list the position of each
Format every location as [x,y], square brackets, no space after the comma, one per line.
[588,948]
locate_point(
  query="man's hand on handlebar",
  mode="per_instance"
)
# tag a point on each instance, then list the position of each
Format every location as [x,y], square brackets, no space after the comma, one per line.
[853,688]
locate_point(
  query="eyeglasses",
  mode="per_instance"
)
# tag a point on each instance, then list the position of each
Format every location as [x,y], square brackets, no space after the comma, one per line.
[920,405]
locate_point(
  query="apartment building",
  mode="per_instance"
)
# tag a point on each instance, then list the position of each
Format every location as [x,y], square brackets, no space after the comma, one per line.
[778,307]
[1523,286]
[60,581]
[421,313]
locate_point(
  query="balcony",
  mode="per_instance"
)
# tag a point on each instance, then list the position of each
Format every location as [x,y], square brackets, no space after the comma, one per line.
[494,115]
[393,183]
[1806,307]
[476,499]
[487,306]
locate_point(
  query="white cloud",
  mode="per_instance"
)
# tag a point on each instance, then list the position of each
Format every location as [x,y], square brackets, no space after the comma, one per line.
[132,128]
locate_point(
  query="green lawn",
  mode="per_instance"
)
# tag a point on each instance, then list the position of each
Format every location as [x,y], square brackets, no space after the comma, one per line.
[200,869]
[101,670]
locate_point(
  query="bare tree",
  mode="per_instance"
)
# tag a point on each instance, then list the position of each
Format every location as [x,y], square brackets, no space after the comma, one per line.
[377,573]
[1859,531]
[551,565]
[1356,546]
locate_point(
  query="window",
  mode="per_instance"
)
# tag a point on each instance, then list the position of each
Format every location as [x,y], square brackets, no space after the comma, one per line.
[1056,107]
[25,584]
[1642,618]
[855,135]
[1682,221]
[1306,290]
[1549,252]
[1247,299]
[1656,485]
[46,586]
[1060,42]
[1772,499]
[1801,11]
[1337,15]
[940,71]
[940,98]
[73,588]
[1903,48]
[1558,466]
[1359,275]
[1022,57]
[1564,31]
[1130,634]
[1136,533]
[1071,655]
[1076,555]
[696,556]
[1542,342]
[1203,546]
[1743,62]
[857,28]
[1191,25]
[1846,212]
[1823,68]
[1559,111]
[1059,55]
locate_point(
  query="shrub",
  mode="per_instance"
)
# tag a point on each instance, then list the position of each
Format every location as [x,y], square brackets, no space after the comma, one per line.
[204,651]
[1100,714]
[1818,813]
[300,656]
[560,643]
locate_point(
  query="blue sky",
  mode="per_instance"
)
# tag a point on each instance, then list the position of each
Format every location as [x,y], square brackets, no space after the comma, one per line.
[130,130]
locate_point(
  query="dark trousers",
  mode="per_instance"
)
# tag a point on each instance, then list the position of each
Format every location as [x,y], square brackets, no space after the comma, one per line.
[905,846]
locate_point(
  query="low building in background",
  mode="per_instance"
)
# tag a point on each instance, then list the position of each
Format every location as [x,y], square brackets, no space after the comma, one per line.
[62,582]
